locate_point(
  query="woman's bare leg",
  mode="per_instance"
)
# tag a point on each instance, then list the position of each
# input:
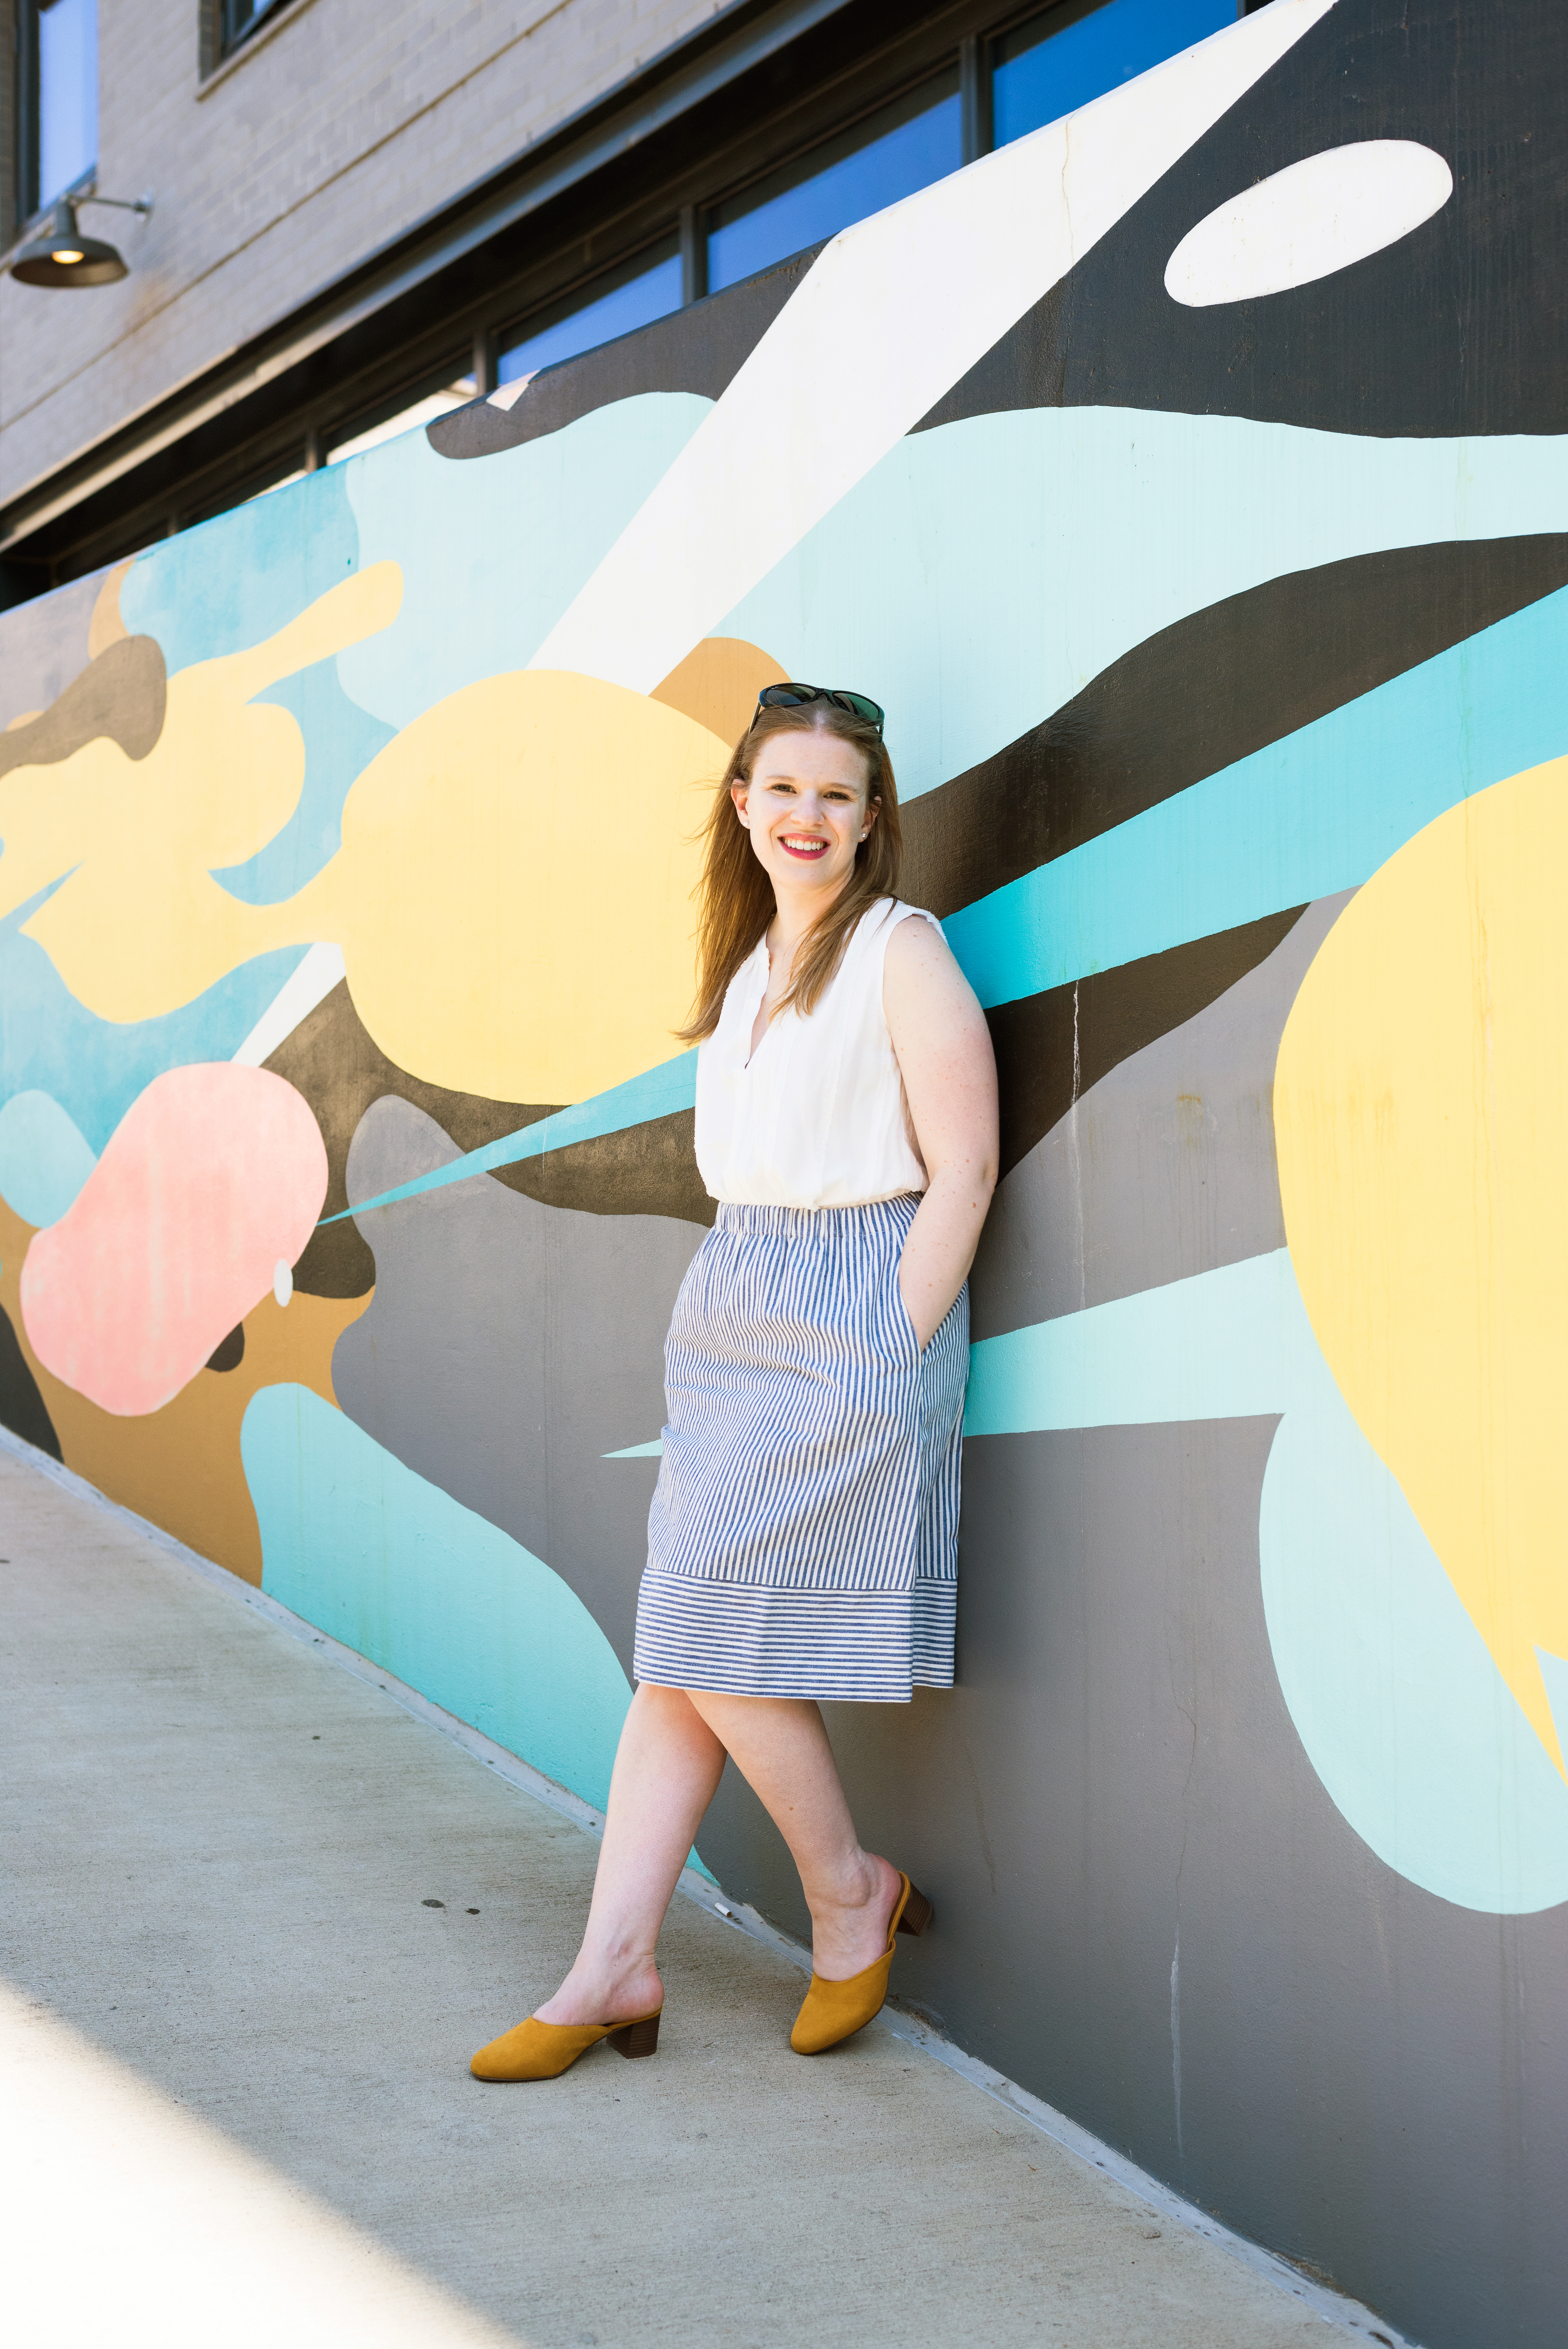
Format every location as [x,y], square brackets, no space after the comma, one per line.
[668,1767]
[780,1744]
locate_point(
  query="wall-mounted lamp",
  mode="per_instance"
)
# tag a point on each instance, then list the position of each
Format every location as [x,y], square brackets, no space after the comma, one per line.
[62,256]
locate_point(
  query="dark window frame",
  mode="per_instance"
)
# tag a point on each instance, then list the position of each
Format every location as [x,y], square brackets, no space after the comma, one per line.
[230,34]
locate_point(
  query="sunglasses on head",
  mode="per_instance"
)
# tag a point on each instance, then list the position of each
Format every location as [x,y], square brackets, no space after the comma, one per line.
[791,697]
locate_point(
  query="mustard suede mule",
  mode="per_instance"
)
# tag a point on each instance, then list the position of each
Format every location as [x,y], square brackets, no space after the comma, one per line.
[542,2051]
[835,2010]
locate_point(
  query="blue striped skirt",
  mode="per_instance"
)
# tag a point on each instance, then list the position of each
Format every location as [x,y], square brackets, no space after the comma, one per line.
[803,1535]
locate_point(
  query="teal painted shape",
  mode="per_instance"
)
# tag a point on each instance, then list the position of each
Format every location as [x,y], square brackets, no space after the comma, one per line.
[95,1068]
[374,1556]
[1403,1713]
[652,1451]
[493,552]
[1310,815]
[656,1092]
[44,1159]
[1406,1718]
[234,581]
[1227,1344]
[231,584]
[982,572]
[340,740]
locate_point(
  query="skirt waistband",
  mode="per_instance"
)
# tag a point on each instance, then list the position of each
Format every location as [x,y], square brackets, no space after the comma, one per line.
[817,1222]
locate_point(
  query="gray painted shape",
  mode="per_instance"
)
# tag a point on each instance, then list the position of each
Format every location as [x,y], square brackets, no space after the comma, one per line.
[1164,1168]
[46,646]
[1116,1765]
[507,1348]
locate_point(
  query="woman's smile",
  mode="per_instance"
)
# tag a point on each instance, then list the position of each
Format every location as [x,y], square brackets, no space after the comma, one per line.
[805,807]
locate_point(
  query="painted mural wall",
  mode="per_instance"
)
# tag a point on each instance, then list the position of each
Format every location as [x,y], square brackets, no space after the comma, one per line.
[1189,479]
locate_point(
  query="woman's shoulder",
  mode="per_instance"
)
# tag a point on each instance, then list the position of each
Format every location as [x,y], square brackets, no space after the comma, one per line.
[887,915]
[918,956]
[901,921]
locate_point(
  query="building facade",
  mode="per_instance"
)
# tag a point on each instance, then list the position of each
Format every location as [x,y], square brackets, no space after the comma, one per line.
[357,211]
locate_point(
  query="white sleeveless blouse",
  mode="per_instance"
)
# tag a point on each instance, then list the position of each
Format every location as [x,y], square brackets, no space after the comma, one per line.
[815,1117]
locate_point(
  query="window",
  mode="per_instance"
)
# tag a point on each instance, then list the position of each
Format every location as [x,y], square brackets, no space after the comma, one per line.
[239,18]
[1063,57]
[57,57]
[889,154]
[633,296]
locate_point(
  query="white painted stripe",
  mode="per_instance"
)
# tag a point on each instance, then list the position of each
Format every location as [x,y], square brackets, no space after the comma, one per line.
[314,978]
[907,302]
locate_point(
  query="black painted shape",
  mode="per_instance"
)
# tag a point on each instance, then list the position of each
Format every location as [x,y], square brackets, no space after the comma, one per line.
[336,1063]
[699,349]
[22,1408]
[229,1351]
[1051,1047]
[1208,690]
[644,1170]
[1460,327]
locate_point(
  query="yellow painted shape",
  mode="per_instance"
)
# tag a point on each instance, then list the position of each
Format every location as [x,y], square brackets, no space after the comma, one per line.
[512,895]
[139,927]
[1421,1117]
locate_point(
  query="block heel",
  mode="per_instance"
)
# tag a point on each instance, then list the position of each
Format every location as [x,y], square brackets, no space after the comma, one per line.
[637,2038]
[916,1914]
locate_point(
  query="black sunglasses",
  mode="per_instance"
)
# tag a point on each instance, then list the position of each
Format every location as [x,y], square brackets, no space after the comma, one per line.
[791,697]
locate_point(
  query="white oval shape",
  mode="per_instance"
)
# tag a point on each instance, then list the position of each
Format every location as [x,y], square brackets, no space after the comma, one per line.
[283,1281]
[1306,222]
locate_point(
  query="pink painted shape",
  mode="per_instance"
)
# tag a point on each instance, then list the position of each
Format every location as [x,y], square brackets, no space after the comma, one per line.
[212,1175]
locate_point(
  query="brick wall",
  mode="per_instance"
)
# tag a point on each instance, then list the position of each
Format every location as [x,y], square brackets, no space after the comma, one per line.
[339,125]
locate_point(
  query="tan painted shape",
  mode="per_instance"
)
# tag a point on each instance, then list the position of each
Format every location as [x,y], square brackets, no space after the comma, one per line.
[1421,1121]
[181,1466]
[105,627]
[717,684]
[118,698]
[22,717]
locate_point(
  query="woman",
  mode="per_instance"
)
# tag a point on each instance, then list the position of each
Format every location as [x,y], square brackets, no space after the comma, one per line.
[801,1542]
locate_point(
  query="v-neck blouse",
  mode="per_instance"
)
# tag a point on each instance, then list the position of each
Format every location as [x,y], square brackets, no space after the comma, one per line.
[815,1116]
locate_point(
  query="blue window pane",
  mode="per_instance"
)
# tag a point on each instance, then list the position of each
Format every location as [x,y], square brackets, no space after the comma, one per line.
[903,147]
[635,301]
[1047,68]
[68,93]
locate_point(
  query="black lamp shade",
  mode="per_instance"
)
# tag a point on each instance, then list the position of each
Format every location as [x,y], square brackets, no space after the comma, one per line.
[64,257]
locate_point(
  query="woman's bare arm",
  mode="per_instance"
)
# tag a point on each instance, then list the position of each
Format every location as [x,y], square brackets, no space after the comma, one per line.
[944,1049]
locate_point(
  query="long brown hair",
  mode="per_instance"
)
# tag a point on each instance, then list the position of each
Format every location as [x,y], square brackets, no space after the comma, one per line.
[734,896]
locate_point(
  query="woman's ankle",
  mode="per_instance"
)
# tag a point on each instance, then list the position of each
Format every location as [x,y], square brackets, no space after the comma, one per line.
[605,1995]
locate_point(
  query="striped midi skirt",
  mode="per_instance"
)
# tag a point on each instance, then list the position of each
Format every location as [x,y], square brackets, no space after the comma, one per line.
[802,1539]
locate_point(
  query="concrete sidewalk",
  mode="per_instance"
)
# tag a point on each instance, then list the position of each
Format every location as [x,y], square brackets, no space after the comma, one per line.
[224,1853]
